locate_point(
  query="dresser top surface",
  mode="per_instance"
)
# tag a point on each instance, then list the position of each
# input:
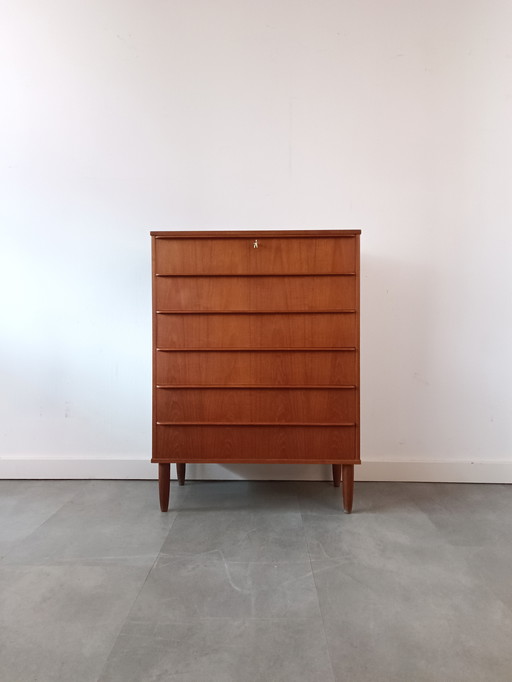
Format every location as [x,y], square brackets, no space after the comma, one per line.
[233,234]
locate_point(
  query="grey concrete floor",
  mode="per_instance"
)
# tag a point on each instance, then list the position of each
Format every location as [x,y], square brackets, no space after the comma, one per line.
[255,582]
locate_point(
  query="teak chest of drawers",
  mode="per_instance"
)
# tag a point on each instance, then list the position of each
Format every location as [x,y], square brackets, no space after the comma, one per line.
[256,350]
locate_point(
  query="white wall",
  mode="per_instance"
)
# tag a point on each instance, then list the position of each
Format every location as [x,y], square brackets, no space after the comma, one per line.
[118,117]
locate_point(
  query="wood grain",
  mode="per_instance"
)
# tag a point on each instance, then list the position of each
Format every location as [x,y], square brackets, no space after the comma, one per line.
[164,481]
[209,443]
[257,367]
[348,487]
[255,293]
[296,330]
[238,256]
[245,234]
[256,350]
[358,355]
[258,405]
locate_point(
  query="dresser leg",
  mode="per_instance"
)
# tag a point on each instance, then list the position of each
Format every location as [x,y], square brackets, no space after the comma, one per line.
[180,468]
[336,475]
[164,482]
[348,487]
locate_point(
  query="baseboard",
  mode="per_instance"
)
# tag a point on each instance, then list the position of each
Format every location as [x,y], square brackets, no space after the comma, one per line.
[455,471]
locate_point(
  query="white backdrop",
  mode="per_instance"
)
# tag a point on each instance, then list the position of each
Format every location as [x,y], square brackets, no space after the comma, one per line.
[394,117]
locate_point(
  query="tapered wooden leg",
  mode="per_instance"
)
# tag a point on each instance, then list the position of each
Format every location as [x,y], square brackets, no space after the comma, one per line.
[336,475]
[348,487]
[180,468]
[164,482]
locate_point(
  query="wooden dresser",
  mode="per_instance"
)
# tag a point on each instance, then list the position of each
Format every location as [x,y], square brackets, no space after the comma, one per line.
[256,350]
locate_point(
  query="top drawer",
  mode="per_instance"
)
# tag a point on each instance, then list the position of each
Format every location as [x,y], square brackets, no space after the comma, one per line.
[251,256]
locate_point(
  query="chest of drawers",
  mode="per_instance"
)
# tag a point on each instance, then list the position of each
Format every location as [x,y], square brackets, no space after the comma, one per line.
[256,350]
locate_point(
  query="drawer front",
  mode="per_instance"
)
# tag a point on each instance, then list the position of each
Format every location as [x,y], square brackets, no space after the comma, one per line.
[275,368]
[246,405]
[330,292]
[237,256]
[256,444]
[256,330]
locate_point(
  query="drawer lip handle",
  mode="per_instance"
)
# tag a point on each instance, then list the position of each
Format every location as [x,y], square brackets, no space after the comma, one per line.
[284,424]
[245,311]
